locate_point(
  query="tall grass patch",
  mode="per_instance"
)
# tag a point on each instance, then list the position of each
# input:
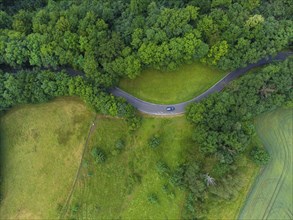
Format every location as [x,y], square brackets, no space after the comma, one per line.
[41,146]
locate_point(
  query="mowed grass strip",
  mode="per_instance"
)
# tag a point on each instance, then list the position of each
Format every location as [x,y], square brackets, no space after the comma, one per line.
[41,146]
[172,87]
[271,195]
[121,186]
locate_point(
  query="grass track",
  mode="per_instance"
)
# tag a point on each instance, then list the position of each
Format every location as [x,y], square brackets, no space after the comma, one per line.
[271,195]
[172,87]
[40,148]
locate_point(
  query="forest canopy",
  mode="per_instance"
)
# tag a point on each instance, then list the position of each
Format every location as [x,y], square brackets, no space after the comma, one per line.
[108,39]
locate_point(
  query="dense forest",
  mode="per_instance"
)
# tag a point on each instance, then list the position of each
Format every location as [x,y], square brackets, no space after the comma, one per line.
[45,43]
[108,40]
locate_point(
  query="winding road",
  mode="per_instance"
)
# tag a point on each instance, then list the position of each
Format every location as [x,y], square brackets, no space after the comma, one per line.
[158,109]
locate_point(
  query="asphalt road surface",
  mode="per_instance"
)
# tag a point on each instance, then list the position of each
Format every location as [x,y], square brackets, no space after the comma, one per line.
[157,109]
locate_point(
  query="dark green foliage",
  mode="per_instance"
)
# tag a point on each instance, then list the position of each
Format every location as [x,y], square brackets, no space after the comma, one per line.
[177,177]
[163,169]
[220,170]
[99,155]
[224,128]
[153,198]
[154,141]
[228,187]
[1,197]
[134,121]
[13,6]
[108,41]
[119,147]
[120,144]
[259,156]
[193,179]
[223,121]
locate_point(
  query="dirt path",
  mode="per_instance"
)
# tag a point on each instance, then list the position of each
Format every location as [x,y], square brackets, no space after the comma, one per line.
[65,207]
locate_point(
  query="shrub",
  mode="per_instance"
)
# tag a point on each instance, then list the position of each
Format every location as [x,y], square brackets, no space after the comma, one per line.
[260,156]
[99,155]
[153,198]
[154,142]
[162,168]
[177,178]
[120,145]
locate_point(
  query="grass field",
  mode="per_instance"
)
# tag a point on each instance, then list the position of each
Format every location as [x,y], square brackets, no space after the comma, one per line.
[40,147]
[271,195]
[120,187]
[172,87]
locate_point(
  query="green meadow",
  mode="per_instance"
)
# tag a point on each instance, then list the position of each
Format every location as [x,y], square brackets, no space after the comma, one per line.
[172,87]
[121,186]
[41,146]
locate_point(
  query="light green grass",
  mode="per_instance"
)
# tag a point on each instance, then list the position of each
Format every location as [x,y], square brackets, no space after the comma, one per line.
[172,87]
[40,147]
[271,195]
[107,194]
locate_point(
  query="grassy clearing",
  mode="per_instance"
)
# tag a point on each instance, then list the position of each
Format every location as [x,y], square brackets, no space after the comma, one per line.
[271,195]
[40,148]
[172,87]
[120,187]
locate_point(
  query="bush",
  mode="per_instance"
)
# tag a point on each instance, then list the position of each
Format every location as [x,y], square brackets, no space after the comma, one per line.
[259,156]
[163,169]
[154,142]
[99,155]
[177,178]
[153,198]
[120,145]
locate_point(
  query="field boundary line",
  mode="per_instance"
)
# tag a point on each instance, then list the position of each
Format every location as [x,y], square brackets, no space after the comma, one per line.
[65,207]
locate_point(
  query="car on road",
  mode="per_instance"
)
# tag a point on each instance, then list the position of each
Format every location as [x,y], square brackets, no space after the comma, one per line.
[170,108]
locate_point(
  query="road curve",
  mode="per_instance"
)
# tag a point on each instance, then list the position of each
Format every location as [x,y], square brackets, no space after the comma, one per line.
[158,109]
